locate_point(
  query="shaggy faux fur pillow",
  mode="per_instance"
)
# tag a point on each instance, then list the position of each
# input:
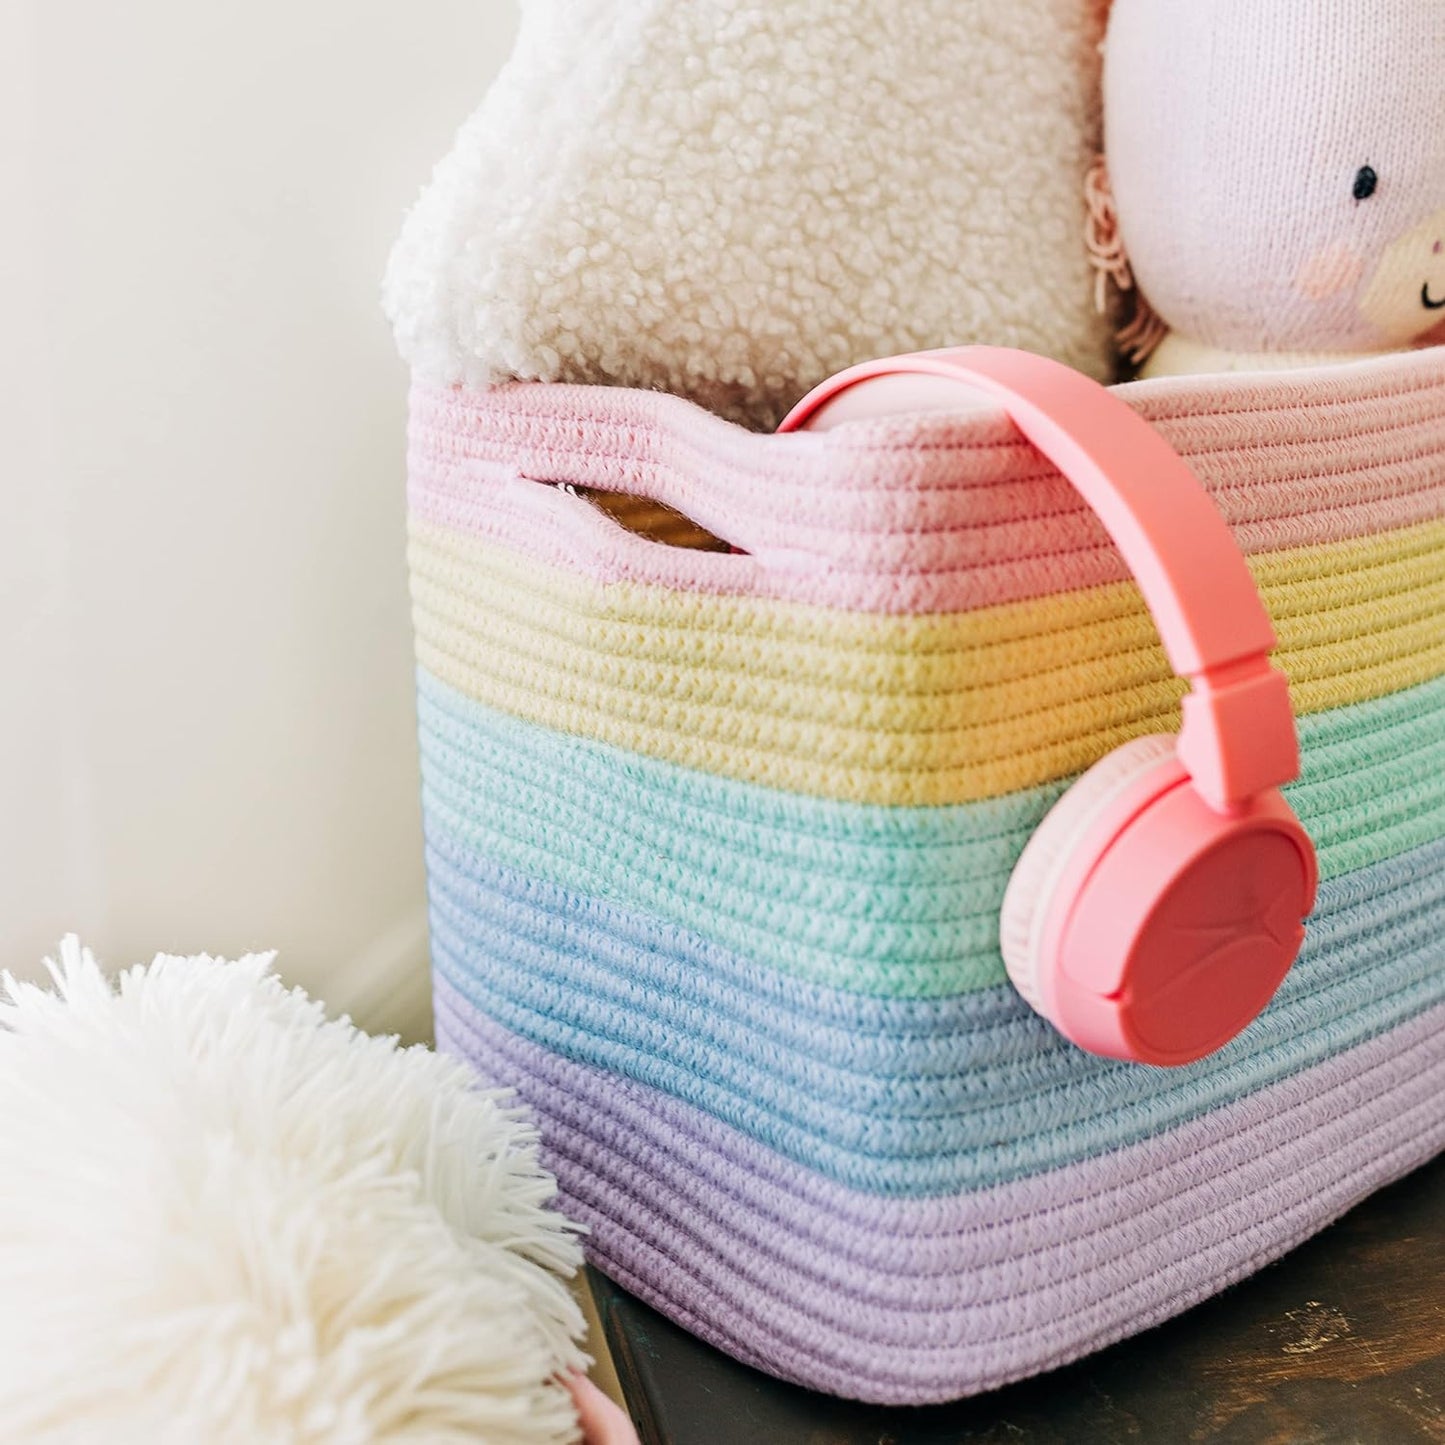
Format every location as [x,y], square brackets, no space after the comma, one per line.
[732,200]
[227,1221]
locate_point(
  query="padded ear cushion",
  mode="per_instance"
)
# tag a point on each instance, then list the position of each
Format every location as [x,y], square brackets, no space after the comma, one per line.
[1039,869]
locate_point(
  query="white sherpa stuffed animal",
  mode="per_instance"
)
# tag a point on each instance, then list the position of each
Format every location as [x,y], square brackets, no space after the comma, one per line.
[226,1221]
[731,200]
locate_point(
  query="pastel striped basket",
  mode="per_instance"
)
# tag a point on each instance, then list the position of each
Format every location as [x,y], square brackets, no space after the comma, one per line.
[717,839]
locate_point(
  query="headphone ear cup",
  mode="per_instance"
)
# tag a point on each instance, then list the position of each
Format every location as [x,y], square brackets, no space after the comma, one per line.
[1180,924]
[1042,865]
[1144,924]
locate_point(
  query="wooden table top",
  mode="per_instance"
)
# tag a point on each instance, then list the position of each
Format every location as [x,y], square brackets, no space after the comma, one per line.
[1340,1343]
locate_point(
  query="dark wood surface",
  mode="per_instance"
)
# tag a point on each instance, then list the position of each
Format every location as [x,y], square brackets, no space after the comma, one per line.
[1341,1343]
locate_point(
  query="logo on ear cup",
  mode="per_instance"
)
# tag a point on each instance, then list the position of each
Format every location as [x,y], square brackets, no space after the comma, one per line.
[1268,920]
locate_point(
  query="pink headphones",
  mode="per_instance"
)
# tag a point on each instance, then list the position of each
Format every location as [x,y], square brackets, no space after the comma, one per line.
[1160,904]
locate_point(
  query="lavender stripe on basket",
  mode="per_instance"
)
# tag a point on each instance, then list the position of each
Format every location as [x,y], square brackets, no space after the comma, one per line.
[907,1300]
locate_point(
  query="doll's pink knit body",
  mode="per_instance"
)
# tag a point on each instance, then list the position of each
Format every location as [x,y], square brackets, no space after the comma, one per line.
[1278,168]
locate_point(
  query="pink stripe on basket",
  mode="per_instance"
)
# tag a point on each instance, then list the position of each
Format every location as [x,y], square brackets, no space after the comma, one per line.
[922,514]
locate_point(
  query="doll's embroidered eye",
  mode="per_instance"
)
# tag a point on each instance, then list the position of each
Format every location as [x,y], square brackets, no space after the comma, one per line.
[1366,182]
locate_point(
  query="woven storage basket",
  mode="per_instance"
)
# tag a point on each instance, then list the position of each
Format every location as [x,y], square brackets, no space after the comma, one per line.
[718,838]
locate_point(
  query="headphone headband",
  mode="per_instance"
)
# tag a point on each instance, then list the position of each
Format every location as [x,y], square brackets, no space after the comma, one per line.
[1238,736]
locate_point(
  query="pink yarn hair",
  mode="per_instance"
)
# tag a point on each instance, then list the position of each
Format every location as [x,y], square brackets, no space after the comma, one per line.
[1138,327]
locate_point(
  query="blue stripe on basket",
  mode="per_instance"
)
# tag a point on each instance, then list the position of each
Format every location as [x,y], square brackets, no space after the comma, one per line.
[901,1096]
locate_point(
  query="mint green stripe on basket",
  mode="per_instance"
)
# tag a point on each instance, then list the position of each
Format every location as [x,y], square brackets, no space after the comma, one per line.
[896,902]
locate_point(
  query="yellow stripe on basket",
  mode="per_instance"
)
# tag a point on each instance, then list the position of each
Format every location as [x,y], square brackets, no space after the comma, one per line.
[871,708]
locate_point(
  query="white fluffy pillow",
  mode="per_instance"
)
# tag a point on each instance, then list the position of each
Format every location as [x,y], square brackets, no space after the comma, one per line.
[225,1221]
[732,199]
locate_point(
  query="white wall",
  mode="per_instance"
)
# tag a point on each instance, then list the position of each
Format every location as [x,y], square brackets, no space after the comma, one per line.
[206,726]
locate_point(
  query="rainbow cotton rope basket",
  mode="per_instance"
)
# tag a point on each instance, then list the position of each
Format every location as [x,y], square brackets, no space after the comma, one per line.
[717,841]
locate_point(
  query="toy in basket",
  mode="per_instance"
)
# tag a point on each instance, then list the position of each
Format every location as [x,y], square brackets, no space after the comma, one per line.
[1281,194]
[731,745]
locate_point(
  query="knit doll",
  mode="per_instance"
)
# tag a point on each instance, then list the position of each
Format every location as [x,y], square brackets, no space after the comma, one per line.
[1277,170]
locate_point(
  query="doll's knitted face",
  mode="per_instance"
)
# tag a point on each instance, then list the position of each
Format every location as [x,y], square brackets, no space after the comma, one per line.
[1279,167]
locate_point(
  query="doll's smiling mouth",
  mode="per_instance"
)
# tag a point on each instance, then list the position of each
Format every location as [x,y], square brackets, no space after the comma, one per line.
[1429,303]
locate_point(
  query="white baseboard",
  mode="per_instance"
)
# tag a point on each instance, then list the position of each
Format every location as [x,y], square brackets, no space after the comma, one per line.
[386,988]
